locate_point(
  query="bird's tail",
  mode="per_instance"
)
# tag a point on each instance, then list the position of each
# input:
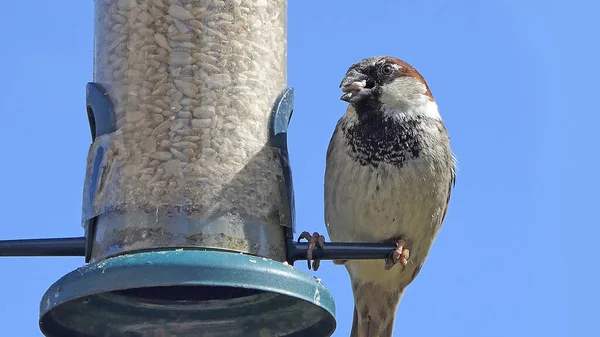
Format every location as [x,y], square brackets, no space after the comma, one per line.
[371,329]
[377,315]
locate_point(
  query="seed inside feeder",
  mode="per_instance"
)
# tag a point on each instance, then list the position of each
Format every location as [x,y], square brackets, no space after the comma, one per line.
[193,83]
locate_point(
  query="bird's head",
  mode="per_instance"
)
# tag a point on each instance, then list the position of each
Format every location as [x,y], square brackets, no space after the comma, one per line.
[384,82]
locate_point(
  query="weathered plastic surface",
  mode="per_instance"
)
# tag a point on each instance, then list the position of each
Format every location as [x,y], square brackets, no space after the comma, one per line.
[190,163]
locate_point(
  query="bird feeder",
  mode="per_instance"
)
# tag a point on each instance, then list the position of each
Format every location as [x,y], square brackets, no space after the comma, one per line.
[188,201]
[188,206]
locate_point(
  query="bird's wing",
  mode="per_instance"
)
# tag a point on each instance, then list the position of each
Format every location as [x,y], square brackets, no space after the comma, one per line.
[450,187]
[327,182]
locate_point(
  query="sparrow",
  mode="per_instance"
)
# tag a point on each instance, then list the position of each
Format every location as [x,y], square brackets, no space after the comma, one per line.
[389,174]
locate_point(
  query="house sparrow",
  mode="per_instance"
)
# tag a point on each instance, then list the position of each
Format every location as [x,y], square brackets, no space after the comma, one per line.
[388,178]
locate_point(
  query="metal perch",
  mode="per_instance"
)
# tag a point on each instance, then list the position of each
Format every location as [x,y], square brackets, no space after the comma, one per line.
[296,251]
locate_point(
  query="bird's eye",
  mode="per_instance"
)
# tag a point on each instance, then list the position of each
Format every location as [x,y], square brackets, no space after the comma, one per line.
[387,69]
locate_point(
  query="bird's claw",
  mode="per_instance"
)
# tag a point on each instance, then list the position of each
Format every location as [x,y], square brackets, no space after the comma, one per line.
[315,240]
[400,255]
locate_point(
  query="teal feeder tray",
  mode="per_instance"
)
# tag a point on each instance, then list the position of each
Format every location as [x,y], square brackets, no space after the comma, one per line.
[187,293]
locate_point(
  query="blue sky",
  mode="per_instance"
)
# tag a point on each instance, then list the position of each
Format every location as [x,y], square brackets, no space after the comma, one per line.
[515,81]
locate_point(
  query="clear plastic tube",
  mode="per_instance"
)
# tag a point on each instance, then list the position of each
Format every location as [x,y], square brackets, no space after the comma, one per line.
[193,84]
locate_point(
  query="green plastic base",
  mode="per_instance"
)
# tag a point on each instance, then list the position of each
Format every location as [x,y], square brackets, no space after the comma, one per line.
[187,293]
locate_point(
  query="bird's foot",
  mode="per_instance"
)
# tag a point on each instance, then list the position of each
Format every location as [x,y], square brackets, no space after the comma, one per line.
[339,262]
[399,255]
[315,240]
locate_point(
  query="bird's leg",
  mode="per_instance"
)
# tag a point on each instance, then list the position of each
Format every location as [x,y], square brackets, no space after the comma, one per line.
[313,240]
[399,255]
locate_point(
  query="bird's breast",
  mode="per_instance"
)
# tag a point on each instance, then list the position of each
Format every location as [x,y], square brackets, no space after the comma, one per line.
[384,141]
[398,190]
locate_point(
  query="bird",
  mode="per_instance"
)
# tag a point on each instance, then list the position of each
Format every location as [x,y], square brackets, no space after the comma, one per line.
[389,174]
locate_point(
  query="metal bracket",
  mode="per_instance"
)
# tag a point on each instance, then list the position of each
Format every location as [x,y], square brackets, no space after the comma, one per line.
[102,119]
[100,111]
[280,120]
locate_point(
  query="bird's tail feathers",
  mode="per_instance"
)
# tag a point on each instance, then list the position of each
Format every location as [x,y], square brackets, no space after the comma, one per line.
[374,311]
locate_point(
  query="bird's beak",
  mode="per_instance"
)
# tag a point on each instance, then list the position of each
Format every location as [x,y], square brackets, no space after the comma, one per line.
[353,87]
